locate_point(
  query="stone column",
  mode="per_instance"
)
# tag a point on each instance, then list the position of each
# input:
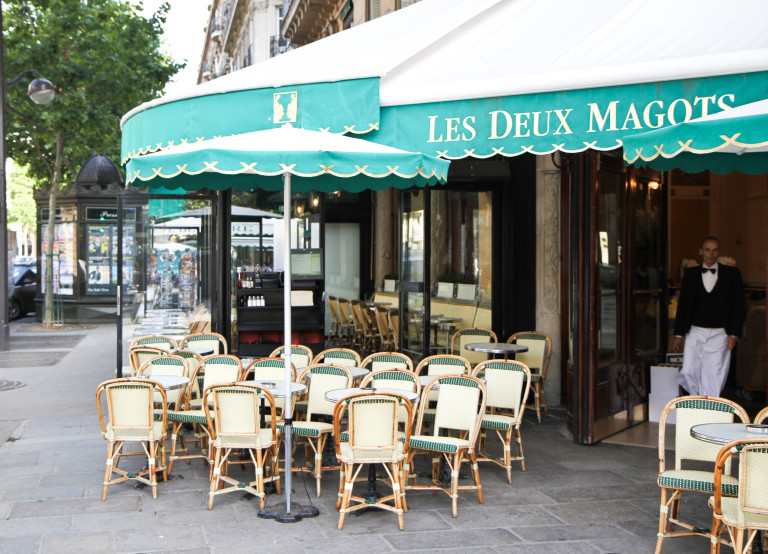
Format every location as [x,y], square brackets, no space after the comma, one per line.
[548,255]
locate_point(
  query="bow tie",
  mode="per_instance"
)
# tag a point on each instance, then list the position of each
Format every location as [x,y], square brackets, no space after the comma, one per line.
[710,269]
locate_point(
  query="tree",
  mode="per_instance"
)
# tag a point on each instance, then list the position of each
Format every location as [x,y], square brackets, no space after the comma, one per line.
[104,59]
[20,201]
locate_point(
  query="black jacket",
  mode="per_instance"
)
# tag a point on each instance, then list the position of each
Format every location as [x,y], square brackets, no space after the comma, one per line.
[731,295]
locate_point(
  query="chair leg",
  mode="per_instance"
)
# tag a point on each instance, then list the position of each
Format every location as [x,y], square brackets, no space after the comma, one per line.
[260,476]
[403,476]
[476,476]
[507,445]
[714,547]
[543,398]
[537,405]
[663,514]
[215,477]
[399,498]
[152,474]
[174,434]
[340,495]
[519,442]
[108,469]
[348,476]
[455,484]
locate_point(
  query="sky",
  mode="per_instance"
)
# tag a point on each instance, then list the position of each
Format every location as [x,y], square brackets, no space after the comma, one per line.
[184,35]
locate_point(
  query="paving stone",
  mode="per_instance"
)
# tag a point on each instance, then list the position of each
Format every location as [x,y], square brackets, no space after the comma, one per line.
[63,479]
[256,530]
[571,547]
[44,493]
[342,543]
[73,506]
[612,492]
[20,527]
[14,460]
[17,483]
[451,539]
[159,538]
[77,543]
[594,512]
[511,517]
[30,470]
[20,545]
[549,533]
[114,521]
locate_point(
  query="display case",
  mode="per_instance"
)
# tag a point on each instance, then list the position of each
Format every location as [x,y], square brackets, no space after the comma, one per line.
[260,318]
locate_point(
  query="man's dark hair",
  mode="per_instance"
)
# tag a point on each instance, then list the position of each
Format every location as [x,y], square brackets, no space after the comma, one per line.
[706,239]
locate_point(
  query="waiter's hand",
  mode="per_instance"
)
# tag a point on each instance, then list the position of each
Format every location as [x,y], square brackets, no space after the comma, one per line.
[678,344]
[731,342]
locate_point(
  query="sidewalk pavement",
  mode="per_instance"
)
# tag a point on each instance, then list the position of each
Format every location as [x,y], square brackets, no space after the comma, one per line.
[572,498]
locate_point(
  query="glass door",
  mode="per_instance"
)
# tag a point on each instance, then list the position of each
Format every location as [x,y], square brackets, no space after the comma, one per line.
[414,304]
[166,267]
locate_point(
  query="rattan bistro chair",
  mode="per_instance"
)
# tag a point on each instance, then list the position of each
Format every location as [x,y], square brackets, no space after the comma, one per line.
[690,411]
[201,341]
[139,355]
[324,377]
[441,364]
[338,356]
[166,365]
[762,416]
[213,370]
[236,426]
[131,418]
[162,341]
[373,438]
[301,356]
[537,359]
[508,384]
[272,369]
[463,337]
[387,360]
[460,408]
[748,511]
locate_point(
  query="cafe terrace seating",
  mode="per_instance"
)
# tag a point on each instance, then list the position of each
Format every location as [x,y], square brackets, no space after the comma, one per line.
[762,416]
[373,438]
[366,336]
[301,356]
[386,337]
[270,368]
[690,411]
[460,407]
[748,510]
[206,341]
[236,427]
[462,337]
[440,364]
[165,365]
[138,355]
[347,337]
[537,359]
[508,384]
[387,360]
[131,418]
[213,370]
[338,356]
[324,377]
[336,331]
[161,341]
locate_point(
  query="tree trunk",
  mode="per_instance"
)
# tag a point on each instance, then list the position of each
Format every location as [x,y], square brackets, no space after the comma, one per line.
[48,315]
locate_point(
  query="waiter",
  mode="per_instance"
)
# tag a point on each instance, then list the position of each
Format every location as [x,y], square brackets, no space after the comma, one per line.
[710,313]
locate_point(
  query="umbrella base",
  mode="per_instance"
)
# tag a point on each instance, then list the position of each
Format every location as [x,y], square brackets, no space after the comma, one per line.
[281,514]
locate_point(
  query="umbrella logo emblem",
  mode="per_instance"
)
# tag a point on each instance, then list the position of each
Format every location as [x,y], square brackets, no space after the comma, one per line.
[285,105]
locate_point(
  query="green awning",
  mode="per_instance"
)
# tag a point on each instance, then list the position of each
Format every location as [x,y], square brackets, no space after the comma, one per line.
[732,140]
[342,107]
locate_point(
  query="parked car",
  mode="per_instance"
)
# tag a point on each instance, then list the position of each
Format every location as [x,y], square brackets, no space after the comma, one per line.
[22,297]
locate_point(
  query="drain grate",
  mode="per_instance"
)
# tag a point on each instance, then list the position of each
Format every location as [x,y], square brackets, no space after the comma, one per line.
[31,358]
[45,341]
[10,385]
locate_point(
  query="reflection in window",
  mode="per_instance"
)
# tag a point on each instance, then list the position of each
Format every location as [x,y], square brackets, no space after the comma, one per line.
[461,245]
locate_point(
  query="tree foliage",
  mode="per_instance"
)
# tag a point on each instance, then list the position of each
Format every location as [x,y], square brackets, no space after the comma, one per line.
[21,202]
[102,56]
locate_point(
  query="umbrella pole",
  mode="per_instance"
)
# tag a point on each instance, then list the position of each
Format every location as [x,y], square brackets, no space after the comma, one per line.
[291,512]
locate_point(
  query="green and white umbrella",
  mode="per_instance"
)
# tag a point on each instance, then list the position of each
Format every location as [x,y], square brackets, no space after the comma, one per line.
[728,141]
[285,158]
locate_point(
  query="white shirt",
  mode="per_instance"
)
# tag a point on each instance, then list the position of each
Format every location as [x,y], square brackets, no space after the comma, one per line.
[708,278]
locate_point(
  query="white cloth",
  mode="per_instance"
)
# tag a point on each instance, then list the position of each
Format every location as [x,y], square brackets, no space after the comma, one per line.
[706,360]
[708,278]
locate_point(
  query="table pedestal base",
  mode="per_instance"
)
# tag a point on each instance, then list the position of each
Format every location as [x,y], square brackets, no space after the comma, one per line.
[281,514]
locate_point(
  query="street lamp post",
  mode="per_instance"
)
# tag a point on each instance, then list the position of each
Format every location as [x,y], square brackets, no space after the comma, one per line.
[40,91]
